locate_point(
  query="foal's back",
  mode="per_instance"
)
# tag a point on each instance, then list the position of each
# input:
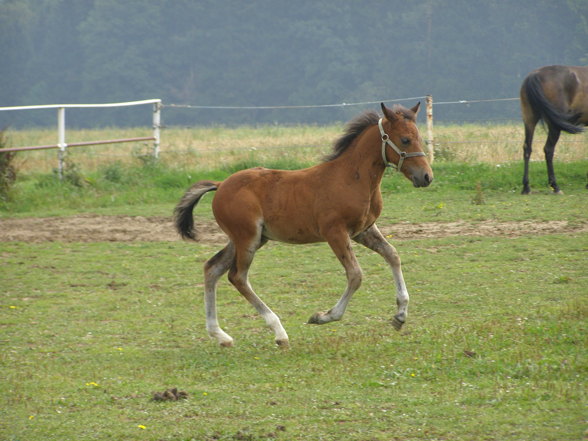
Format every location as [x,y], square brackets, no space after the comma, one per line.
[276,204]
[292,206]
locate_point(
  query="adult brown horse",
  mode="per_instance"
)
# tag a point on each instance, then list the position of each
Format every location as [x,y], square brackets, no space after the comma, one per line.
[558,96]
[335,201]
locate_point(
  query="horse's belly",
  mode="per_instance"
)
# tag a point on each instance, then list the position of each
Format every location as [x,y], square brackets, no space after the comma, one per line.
[289,232]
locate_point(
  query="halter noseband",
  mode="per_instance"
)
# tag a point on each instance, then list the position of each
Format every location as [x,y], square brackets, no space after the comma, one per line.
[386,140]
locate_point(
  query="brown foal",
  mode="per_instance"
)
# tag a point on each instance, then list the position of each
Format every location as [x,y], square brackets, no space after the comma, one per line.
[336,201]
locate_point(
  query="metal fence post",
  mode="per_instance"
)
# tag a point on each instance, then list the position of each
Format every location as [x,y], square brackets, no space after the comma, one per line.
[430,146]
[61,139]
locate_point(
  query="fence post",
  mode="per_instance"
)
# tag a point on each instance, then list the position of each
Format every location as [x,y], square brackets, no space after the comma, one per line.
[156,128]
[61,139]
[430,145]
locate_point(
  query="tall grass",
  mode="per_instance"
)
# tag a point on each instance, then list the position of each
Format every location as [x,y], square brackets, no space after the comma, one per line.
[124,175]
[7,169]
[215,147]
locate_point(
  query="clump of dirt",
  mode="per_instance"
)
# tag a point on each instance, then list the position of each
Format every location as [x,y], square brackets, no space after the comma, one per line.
[170,395]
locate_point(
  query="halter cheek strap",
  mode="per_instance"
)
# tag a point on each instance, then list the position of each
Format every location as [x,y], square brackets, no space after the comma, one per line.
[386,140]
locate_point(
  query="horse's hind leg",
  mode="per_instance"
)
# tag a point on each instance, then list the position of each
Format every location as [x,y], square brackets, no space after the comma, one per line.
[238,276]
[527,150]
[214,268]
[549,150]
[373,239]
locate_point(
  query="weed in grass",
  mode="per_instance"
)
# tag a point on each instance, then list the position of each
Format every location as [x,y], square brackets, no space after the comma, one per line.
[114,172]
[7,168]
[478,198]
[71,172]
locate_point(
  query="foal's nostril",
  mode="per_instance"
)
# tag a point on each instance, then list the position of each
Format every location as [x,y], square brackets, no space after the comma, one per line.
[427,178]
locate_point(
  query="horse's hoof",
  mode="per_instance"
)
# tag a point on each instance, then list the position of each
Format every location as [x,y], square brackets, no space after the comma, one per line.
[314,320]
[558,192]
[226,344]
[283,344]
[317,319]
[397,323]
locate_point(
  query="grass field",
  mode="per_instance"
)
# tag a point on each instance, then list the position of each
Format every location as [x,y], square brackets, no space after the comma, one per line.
[494,347]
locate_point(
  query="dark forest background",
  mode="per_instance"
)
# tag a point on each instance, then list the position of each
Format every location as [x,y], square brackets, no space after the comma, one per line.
[275,52]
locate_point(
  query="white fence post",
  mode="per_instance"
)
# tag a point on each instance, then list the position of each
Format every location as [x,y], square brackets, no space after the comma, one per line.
[61,139]
[156,128]
[430,140]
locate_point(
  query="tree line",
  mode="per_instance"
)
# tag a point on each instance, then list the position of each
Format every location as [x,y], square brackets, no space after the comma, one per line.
[276,52]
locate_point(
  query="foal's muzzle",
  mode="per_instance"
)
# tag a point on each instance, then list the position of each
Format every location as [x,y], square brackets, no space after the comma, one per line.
[422,180]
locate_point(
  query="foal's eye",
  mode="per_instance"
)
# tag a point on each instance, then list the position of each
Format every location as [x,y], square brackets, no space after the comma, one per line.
[405,141]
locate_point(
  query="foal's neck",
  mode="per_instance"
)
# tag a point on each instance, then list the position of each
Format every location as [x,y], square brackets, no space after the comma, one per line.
[364,158]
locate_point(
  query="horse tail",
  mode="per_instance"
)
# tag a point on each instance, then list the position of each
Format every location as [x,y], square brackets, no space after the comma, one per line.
[545,110]
[183,219]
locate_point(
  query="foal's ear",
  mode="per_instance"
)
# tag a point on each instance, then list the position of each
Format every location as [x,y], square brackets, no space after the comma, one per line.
[388,113]
[415,109]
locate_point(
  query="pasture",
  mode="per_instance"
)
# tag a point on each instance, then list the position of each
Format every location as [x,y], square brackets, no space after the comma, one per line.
[494,347]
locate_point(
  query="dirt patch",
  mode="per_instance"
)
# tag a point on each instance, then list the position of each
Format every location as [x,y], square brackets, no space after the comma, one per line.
[91,228]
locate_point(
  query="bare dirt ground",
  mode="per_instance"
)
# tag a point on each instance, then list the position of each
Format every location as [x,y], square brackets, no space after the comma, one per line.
[91,228]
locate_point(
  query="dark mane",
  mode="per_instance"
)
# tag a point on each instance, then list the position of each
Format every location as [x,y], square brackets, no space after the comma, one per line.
[353,129]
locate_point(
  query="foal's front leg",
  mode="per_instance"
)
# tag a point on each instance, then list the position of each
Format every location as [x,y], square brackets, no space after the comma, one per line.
[373,239]
[341,246]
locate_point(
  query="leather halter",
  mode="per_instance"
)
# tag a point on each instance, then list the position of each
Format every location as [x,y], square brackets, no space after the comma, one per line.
[386,140]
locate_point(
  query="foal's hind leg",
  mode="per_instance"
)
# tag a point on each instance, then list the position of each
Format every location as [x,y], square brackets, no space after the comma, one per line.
[374,240]
[214,268]
[238,276]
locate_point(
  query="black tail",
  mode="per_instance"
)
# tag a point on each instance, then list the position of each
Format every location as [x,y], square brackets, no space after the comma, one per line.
[183,219]
[545,110]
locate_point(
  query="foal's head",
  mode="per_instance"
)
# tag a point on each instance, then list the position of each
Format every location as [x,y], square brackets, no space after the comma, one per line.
[400,125]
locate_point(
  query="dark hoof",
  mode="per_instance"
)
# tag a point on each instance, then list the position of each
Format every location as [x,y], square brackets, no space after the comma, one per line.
[397,323]
[317,319]
[284,344]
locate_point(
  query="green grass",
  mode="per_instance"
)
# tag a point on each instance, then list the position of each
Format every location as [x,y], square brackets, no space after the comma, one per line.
[127,188]
[494,348]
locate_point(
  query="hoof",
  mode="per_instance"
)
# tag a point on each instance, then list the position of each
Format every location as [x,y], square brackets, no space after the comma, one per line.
[318,318]
[557,192]
[397,323]
[226,344]
[283,344]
